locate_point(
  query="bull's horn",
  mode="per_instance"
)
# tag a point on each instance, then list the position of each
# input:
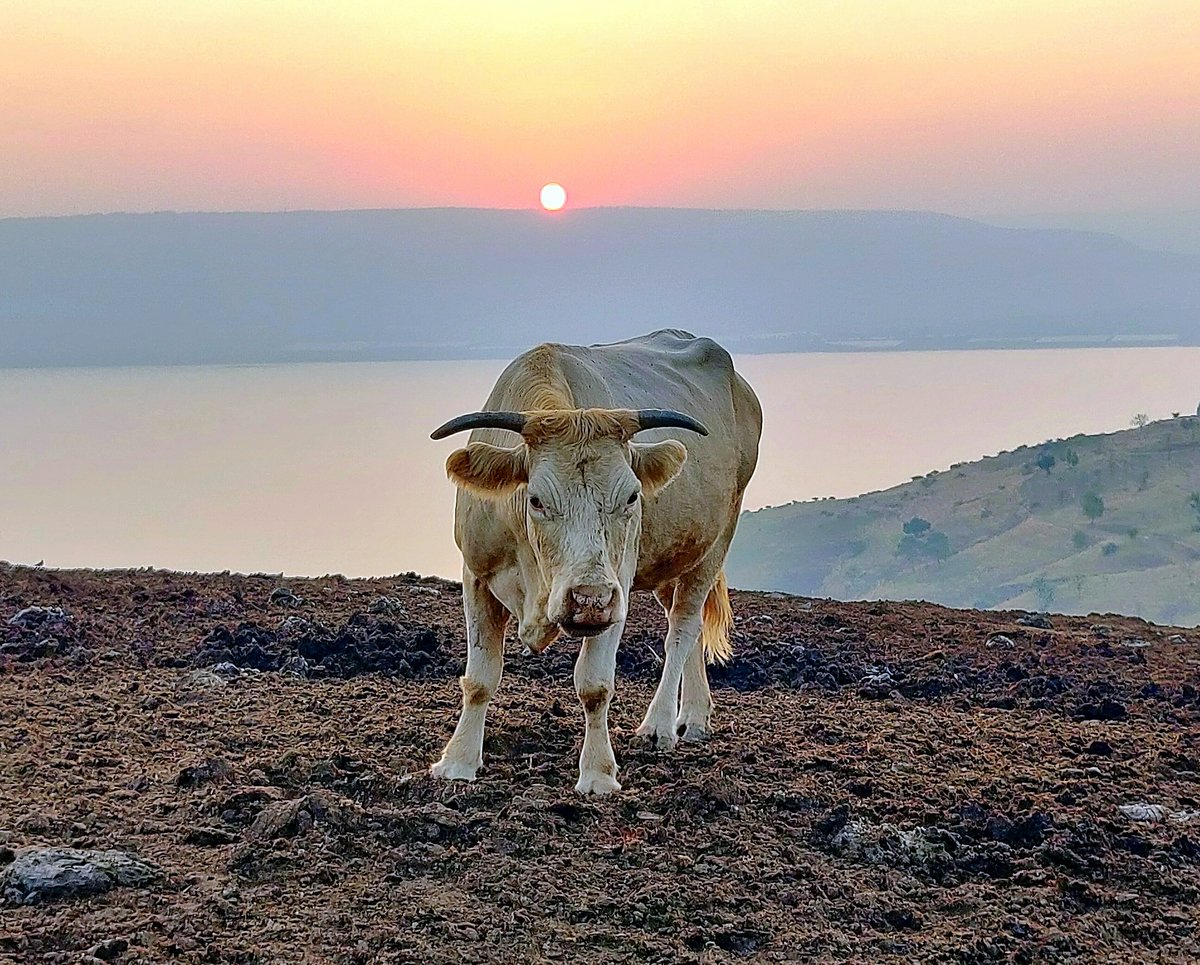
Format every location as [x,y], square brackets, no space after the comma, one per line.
[668,419]
[513,421]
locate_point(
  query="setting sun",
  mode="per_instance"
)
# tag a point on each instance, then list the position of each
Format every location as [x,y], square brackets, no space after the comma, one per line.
[554,196]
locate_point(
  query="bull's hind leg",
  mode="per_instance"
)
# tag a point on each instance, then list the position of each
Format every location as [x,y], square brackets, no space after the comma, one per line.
[595,676]
[684,622]
[486,620]
[695,702]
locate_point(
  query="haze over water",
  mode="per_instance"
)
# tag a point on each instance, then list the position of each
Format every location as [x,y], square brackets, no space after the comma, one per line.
[327,468]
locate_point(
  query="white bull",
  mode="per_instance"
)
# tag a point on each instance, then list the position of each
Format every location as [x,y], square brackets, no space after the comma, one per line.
[559,528]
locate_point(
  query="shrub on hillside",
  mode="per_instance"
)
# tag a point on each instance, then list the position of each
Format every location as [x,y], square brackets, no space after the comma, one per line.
[917,526]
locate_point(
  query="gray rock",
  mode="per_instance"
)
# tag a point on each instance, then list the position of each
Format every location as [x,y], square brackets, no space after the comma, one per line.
[38,616]
[1000,640]
[282,596]
[1143,812]
[920,848]
[51,874]
[226,669]
[1040,621]
[203,680]
[295,666]
[290,627]
[386,604]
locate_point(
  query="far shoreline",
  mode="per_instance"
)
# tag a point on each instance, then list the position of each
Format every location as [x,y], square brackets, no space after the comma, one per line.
[737,347]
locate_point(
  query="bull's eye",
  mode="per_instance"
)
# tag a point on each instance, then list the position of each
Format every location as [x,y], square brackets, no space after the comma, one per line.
[536,504]
[632,499]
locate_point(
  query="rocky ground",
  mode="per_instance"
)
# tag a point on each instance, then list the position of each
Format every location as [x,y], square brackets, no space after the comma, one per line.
[886,782]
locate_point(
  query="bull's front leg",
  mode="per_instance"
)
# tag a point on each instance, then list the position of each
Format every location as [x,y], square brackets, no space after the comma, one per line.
[595,675]
[486,619]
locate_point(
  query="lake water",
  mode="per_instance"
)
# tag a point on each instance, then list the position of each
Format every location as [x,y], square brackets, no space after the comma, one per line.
[327,468]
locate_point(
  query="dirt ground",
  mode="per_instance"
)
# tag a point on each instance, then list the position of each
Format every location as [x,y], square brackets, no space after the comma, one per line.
[886,782]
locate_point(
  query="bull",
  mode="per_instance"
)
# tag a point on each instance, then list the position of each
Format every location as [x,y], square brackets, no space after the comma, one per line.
[628,474]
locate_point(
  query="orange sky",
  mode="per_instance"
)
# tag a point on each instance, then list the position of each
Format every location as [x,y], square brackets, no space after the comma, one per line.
[268,104]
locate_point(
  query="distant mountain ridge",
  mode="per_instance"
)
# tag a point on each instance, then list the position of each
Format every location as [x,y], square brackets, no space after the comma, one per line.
[447,283]
[1094,523]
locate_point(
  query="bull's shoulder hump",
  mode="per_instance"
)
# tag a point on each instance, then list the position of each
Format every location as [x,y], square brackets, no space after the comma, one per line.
[674,345]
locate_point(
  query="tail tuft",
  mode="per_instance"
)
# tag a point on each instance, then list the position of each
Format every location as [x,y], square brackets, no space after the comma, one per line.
[718,621]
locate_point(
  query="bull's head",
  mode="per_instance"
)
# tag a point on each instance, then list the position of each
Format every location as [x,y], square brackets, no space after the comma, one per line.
[580,479]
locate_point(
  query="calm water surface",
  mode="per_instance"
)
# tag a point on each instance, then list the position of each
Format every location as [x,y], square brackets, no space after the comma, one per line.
[312,469]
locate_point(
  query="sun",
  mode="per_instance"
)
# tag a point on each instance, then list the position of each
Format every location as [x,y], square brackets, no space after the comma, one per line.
[554,196]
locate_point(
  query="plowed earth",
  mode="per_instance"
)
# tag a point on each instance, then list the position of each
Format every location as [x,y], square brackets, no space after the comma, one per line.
[885,782]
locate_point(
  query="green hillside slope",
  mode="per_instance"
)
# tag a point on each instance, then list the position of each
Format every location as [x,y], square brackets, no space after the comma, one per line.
[1107,523]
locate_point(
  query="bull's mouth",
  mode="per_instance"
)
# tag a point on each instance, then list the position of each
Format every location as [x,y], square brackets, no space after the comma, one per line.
[584,629]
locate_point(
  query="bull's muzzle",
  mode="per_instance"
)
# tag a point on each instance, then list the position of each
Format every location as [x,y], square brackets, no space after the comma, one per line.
[589,609]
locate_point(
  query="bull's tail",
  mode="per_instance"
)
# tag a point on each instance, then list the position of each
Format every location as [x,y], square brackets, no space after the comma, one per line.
[718,621]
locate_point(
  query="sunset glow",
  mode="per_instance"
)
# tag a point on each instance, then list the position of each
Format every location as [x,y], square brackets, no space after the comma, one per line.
[267,104]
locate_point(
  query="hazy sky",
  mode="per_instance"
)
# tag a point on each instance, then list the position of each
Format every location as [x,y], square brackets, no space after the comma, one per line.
[968,106]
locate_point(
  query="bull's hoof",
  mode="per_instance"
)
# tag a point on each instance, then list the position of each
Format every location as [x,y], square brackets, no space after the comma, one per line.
[597,783]
[662,738]
[692,732]
[449,770]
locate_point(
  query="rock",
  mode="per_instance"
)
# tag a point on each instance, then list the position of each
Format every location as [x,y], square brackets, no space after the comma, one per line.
[202,680]
[292,627]
[1107,709]
[1135,643]
[287,819]
[110,950]
[36,617]
[242,804]
[878,682]
[210,837]
[1156,814]
[208,772]
[1000,640]
[423,591]
[1039,620]
[31,648]
[1144,813]
[1099,749]
[226,669]
[49,874]
[1176,638]
[390,605]
[282,596]
[295,666]
[888,844]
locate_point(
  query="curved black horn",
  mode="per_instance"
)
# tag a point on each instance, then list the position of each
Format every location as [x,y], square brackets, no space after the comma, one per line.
[512,421]
[668,419]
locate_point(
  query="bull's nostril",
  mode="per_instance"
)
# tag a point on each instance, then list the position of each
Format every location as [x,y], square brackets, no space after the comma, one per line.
[593,597]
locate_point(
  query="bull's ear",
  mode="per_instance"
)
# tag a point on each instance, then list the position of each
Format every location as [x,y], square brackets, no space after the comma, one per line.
[489,471]
[657,463]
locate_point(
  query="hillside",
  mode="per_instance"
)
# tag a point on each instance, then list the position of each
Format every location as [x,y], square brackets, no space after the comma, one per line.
[886,782]
[1006,532]
[455,283]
